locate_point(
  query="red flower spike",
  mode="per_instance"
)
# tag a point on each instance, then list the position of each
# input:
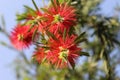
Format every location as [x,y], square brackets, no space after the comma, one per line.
[21,37]
[63,17]
[53,58]
[39,55]
[63,52]
[43,24]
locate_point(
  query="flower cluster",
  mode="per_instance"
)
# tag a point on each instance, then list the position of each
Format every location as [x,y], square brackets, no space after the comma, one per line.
[50,31]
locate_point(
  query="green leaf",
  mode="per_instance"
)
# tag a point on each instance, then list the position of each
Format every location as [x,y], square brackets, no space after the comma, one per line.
[26,78]
[57,2]
[71,30]
[81,40]
[64,34]
[43,39]
[61,1]
[33,23]
[79,37]
[116,41]
[105,66]
[51,35]
[64,1]
[102,52]
[35,5]
[25,14]
[21,17]
[54,5]
[45,10]
[34,34]
[30,11]
[84,54]
[3,22]
[68,1]
[29,8]
[3,43]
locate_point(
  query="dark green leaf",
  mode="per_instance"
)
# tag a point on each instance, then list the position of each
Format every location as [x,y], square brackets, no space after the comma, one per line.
[21,17]
[51,35]
[80,36]
[116,41]
[64,34]
[81,40]
[84,54]
[3,21]
[57,2]
[35,5]
[45,10]
[71,31]
[54,5]
[29,9]
[34,34]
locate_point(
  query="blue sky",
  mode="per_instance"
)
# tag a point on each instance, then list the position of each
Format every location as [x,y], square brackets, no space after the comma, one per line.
[9,8]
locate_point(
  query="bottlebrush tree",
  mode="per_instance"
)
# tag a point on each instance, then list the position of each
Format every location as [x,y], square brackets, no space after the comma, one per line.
[62,32]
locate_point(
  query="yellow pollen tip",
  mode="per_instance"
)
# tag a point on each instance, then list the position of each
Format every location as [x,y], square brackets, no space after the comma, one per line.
[58,18]
[20,37]
[63,54]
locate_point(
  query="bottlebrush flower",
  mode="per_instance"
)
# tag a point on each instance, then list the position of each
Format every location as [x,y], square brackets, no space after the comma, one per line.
[61,16]
[63,52]
[39,55]
[21,37]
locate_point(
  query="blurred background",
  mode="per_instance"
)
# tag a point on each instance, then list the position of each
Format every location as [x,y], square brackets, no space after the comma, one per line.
[8,10]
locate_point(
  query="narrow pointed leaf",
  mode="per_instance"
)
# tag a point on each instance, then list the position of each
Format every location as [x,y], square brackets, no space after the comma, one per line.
[45,10]
[61,1]
[116,41]
[34,34]
[68,1]
[54,5]
[28,8]
[32,25]
[64,34]
[51,35]
[3,43]
[57,2]
[81,35]
[84,54]
[21,17]
[3,22]
[35,5]
[81,40]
